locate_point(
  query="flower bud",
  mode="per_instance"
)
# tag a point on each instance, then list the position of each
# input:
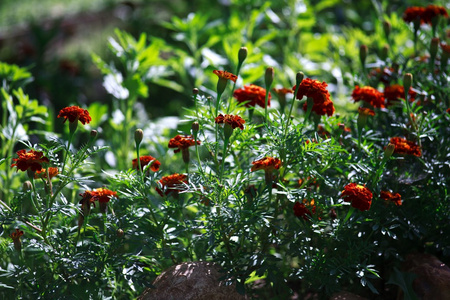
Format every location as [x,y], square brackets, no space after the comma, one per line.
[387,28]
[93,134]
[299,78]
[195,127]
[388,151]
[138,136]
[242,55]
[384,52]
[407,82]
[268,78]
[363,50]
[195,91]
[120,233]
[27,186]
[434,47]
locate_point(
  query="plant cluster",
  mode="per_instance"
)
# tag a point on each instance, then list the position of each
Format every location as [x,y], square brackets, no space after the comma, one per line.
[269,176]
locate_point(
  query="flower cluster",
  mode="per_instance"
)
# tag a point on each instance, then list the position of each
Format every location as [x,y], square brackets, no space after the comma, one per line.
[403,146]
[369,95]
[182,142]
[388,196]
[171,184]
[322,104]
[359,196]
[31,160]
[145,160]
[233,121]
[75,113]
[424,15]
[255,95]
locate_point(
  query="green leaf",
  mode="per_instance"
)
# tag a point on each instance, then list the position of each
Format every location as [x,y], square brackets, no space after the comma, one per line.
[405,281]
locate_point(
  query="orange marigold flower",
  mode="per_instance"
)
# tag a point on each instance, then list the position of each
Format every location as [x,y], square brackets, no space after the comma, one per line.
[366,111]
[103,195]
[225,75]
[322,104]
[145,160]
[397,91]
[252,93]
[74,113]
[52,172]
[31,160]
[359,196]
[432,11]
[171,183]
[233,121]
[414,13]
[283,91]
[388,196]
[403,146]
[267,164]
[369,95]
[182,142]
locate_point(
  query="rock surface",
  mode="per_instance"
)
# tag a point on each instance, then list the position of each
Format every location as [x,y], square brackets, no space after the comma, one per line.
[191,281]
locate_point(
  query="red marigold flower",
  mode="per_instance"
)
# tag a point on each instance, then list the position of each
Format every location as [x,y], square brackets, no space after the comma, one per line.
[225,75]
[16,239]
[397,91]
[252,93]
[369,95]
[74,113]
[103,195]
[267,164]
[182,142]
[448,110]
[171,183]
[16,235]
[432,11]
[31,160]
[52,172]
[366,111]
[318,91]
[233,121]
[403,146]
[359,196]
[445,48]
[145,160]
[321,131]
[301,211]
[388,196]
[414,13]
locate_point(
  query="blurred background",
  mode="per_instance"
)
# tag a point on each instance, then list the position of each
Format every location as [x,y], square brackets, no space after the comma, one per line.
[54,39]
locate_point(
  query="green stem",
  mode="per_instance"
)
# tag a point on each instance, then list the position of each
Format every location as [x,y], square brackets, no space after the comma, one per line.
[224,155]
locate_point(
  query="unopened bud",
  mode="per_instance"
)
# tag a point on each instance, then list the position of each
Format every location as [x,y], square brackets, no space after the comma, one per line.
[388,151]
[299,77]
[363,50]
[93,134]
[120,233]
[268,77]
[333,214]
[384,52]
[27,186]
[138,136]
[434,47]
[387,28]
[195,91]
[407,81]
[242,55]
[195,126]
